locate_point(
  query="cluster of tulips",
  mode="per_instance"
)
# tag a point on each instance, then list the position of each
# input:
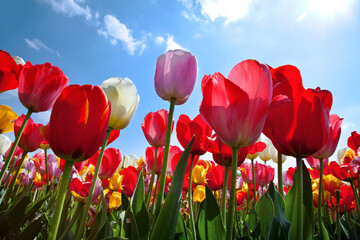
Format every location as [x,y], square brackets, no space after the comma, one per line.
[75,187]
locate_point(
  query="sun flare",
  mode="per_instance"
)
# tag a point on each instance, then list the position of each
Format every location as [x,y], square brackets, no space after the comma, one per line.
[329,8]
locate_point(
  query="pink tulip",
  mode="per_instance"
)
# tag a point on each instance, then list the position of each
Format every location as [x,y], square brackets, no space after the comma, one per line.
[236,108]
[175,75]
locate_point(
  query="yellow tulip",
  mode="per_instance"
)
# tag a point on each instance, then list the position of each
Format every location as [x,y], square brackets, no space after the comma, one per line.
[7,117]
[115,181]
[199,194]
[199,174]
[115,200]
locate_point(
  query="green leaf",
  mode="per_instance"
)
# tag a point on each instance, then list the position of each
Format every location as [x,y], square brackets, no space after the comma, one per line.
[139,208]
[265,210]
[130,226]
[214,227]
[33,229]
[291,210]
[250,219]
[168,215]
[10,220]
[324,232]
[106,231]
[125,204]
[34,207]
[279,206]
[276,230]
[100,219]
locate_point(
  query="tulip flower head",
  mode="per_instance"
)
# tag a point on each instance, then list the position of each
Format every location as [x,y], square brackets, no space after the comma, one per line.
[124,99]
[9,72]
[31,137]
[78,122]
[40,85]
[154,127]
[199,194]
[175,76]
[7,117]
[236,107]
[5,144]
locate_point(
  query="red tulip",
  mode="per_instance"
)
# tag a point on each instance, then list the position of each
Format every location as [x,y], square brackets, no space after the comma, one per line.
[346,172]
[288,177]
[298,120]
[154,127]
[264,174]
[150,154]
[354,141]
[222,153]
[81,189]
[334,135]
[315,162]
[175,75]
[78,122]
[186,129]
[114,134]
[9,72]
[215,177]
[40,85]
[130,176]
[174,157]
[109,164]
[236,108]
[31,137]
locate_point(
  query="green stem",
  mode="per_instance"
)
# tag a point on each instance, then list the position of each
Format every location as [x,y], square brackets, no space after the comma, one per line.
[78,210]
[153,172]
[191,212]
[254,182]
[54,225]
[224,192]
[230,218]
[280,179]
[13,147]
[338,230]
[47,170]
[320,198]
[356,199]
[13,180]
[165,160]
[153,201]
[92,187]
[299,198]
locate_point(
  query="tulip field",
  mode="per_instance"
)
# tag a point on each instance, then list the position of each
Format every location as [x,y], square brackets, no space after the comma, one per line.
[62,181]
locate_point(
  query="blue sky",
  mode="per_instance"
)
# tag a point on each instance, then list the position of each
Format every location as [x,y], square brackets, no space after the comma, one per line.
[92,41]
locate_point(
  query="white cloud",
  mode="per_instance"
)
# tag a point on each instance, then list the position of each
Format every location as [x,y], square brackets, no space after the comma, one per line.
[70,8]
[116,31]
[37,45]
[159,40]
[171,44]
[231,10]
[302,16]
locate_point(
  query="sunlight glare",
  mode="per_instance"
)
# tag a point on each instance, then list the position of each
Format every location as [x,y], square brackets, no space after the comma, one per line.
[329,7]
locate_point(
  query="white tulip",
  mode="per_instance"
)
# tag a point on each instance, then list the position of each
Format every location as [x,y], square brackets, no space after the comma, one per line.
[124,99]
[5,144]
[274,155]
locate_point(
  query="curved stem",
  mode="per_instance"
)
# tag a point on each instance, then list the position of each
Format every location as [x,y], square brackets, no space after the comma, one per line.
[93,184]
[280,179]
[150,187]
[320,198]
[224,192]
[356,199]
[54,225]
[338,230]
[165,160]
[299,198]
[47,169]
[229,226]
[191,212]
[73,219]
[13,147]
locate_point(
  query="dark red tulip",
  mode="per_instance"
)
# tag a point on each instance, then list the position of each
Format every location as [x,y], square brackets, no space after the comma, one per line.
[186,129]
[40,85]
[215,177]
[150,154]
[298,120]
[78,122]
[130,176]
